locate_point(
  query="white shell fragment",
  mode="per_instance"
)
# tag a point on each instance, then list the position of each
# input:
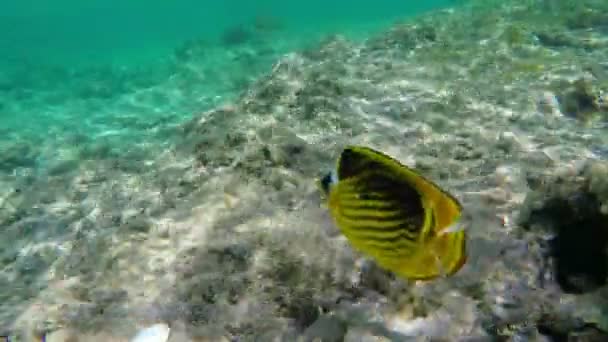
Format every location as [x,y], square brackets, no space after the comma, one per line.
[155,333]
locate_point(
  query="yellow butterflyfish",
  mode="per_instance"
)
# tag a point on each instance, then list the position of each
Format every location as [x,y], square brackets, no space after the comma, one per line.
[388,211]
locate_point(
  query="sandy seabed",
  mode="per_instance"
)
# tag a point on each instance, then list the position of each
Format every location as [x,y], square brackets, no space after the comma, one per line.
[223,236]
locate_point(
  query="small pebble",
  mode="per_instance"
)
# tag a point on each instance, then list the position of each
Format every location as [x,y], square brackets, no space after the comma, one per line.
[155,333]
[62,335]
[548,103]
[326,328]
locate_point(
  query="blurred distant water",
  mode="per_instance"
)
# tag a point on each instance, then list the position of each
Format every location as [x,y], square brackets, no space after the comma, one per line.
[83,31]
[76,74]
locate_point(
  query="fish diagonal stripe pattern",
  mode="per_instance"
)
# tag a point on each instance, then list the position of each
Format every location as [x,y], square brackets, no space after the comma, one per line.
[354,201]
[378,248]
[380,220]
[362,213]
[375,231]
[394,208]
[374,222]
[379,186]
[377,180]
[397,243]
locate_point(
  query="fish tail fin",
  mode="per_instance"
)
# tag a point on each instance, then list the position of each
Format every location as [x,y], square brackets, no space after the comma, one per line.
[450,252]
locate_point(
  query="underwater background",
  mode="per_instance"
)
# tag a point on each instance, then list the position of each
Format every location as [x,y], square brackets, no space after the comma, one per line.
[88,67]
[76,32]
[158,163]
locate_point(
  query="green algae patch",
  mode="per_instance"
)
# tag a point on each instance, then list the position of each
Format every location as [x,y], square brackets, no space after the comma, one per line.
[584,98]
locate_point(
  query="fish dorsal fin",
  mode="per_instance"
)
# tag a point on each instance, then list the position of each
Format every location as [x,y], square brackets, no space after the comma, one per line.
[357,159]
[353,161]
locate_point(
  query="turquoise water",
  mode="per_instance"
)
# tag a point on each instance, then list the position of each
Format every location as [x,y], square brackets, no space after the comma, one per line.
[100,72]
[112,70]
[76,32]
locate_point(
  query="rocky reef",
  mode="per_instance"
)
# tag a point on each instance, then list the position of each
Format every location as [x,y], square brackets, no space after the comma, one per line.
[223,236]
[567,213]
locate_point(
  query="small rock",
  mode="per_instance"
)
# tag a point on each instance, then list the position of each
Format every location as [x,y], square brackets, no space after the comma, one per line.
[107,296]
[137,224]
[163,231]
[327,328]
[373,277]
[179,333]
[512,142]
[508,175]
[358,334]
[582,98]
[62,335]
[548,104]
[61,167]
